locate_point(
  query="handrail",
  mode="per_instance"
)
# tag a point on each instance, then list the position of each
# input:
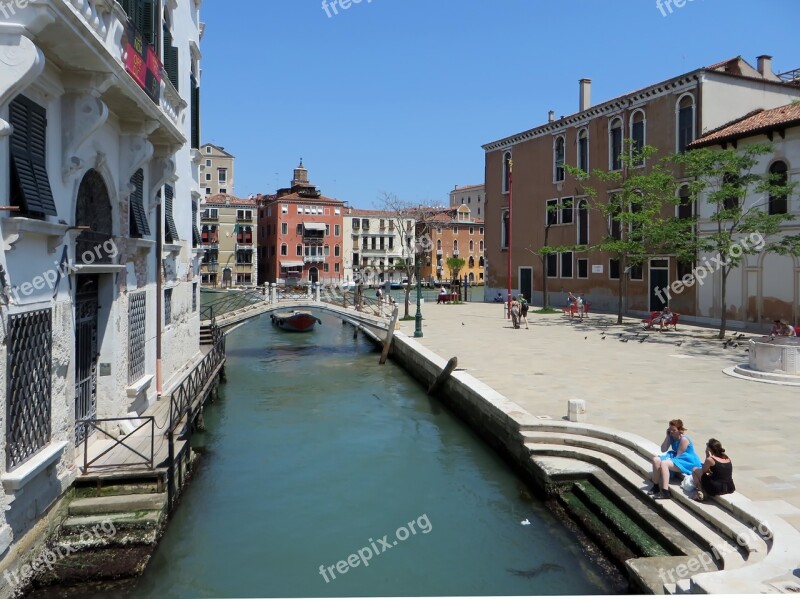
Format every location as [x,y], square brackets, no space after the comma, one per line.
[234,301]
[92,422]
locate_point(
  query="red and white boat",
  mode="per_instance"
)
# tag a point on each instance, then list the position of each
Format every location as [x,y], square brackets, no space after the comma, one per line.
[295,322]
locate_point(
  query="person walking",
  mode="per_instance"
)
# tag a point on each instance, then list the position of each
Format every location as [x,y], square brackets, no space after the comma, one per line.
[515,313]
[523,310]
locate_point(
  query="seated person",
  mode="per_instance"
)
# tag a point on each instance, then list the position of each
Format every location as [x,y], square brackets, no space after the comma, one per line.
[715,477]
[662,319]
[781,328]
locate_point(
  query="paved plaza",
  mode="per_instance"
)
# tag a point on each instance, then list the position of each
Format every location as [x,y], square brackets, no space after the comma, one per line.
[632,386]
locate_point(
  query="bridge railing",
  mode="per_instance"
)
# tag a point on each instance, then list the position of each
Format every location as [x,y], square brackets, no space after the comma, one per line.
[236,300]
[364,302]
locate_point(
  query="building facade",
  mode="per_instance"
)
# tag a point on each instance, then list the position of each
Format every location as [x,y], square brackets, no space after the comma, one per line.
[378,245]
[471,196]
[229,240]
[767,285]
[530,196]
[99,161]
[216,171]
[452,232]
[301,237]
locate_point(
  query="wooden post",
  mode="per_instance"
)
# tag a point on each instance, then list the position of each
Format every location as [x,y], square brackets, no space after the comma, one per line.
[387,344]
[443,375]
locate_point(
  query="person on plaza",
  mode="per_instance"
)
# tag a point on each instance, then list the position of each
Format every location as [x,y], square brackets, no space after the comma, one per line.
[781,328]
[515,313]
[523,310]
[663,319]
[571,299]
[715,477]
[679,457]
[499,298]
[379,295]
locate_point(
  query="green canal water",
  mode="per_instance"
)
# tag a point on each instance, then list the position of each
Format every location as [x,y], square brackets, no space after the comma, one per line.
[315,454]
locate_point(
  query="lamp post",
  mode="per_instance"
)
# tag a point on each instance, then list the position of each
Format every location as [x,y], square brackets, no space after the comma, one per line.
[418,316]
[510,196]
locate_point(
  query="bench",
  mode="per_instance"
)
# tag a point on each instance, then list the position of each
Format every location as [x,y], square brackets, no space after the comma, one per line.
[648,322]
[572,310]
[444,298]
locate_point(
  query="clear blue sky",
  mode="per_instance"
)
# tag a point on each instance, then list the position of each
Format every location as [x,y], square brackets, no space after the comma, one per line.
[399,95]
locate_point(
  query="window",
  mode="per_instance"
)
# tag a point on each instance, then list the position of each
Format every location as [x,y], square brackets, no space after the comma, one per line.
[208,191]
[614,223]
[613,268]
[504,231]
[583,268]
[138,218]
[472,230]
[299,249]
[636,272]
[284,250]
[170,56]
[222,175]
[480,231]
[685,122]
[299,210]
[583,222]
[480,246]
[336,267]
[438,244]
[167,307]
[194,297]
[336,230]
[327,229]
[365,224]
[637,135]
[245,215]
[244,257]
[686,206]
[195,111]
[471,246]
[730,189]
[208,176]
[30,184]
[778,203]
[455,230]
[566,265]
[208,162]
[558,159]
[506,171]
[28,394]
[337,251]
[552,265]
[551,212]
[208,150]
[583,150]
[142,13]
[615,145]
[337,211]
[223,190]
[284,209]
[567,214]
[171,231]
[685,268]
[299,229]
[284,228]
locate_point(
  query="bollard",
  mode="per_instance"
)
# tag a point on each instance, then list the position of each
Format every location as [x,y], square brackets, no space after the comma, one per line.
[576,410]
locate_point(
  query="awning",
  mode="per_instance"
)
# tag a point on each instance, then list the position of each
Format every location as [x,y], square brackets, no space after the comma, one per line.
[314,226]
[292,264]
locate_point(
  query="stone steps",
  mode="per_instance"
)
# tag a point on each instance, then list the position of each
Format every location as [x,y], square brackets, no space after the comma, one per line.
[113,504]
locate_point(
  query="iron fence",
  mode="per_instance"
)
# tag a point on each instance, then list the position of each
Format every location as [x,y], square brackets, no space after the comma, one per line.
[93,424]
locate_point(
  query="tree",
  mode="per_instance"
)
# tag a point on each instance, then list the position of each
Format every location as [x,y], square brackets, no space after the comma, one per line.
[740,220]
[412,222]
[454,265]
[637,222]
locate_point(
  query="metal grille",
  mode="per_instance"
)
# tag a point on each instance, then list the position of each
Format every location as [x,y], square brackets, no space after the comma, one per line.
[137,319]
[85,354]
[194,297]
[28,394]
[167,307]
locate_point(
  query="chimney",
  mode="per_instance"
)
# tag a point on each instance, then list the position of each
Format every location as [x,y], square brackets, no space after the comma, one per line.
[551,116]
[765,66]
[585,95]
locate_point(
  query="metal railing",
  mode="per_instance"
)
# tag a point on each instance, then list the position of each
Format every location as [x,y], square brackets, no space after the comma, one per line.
[92,424]
[235,300]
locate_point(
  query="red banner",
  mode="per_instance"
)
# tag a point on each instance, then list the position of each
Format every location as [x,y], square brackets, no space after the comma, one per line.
[142,63]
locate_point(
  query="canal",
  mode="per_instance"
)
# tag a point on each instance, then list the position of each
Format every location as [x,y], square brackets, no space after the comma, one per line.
[314,456]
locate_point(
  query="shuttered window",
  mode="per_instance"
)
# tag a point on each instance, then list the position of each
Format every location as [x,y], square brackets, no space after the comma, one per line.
[195,230]
[171,231]
[195,113]
[170,58]
[142,13]
[30,186]
[138,218]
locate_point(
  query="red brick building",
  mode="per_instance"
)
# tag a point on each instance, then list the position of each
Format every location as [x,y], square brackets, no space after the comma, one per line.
[300,235]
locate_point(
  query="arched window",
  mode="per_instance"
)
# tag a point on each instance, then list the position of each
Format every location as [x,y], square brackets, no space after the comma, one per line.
[583,150]
[685,121]
[284,250]
[558,159]
[471,262]
[615,144]
[481,262]
[480,245]
[455,245]
[778,202]
[506,171]
[638,135]
[504,230]
[438,244]
[471,246]
[336,250]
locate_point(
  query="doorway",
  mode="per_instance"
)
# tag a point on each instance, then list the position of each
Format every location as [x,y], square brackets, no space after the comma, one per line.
[659,281]
[86,307]
[526,282]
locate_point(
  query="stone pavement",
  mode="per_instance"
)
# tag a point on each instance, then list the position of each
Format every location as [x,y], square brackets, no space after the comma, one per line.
[635,387]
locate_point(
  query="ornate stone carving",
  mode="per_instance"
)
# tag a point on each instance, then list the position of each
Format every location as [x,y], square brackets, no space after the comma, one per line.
[20,63]
[136,150]
[83,114]
[162,170]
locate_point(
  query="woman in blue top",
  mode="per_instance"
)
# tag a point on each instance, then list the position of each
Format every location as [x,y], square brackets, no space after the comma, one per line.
[680,457]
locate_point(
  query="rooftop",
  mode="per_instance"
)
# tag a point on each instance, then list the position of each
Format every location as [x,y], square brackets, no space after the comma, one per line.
[753,123]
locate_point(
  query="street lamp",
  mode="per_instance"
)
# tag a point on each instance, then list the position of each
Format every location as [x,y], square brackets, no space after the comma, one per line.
[418,316]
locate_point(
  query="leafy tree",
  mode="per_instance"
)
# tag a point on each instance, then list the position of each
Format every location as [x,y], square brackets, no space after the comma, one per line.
[741,202]
[637,223]
[454,265]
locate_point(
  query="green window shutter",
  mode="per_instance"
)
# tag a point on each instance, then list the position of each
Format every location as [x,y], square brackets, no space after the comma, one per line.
[138,217]
[129,6]
[171,61]
[171,232]
[148,22]
[195,113]
[195,230]
[29,156]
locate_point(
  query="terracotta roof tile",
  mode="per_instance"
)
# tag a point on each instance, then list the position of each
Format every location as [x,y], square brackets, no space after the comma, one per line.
[758,121]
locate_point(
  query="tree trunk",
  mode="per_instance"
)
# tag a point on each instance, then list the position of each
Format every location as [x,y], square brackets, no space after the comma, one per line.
[544,282]
[723,320]
[408,297]
[622,289]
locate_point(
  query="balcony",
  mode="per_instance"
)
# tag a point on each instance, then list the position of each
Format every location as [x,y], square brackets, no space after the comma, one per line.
[209,217]
[439,252]
[210,266]
[210,245]
[245,246]
[91,40]
[244,218]
[308,259]
[366,250]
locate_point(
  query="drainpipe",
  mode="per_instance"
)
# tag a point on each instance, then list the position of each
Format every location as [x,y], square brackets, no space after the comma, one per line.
[159,309]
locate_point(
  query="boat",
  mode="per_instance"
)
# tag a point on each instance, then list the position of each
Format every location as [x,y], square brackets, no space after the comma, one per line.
[295,322]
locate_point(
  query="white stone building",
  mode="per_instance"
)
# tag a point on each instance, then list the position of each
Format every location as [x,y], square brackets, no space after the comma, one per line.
[374,245]
[98,265]
[217,171]
[766,286]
